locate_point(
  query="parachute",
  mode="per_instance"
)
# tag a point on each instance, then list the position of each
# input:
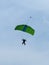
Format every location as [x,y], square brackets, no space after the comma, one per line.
[25,28]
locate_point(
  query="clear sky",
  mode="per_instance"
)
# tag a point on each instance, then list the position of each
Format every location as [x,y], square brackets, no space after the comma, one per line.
[36,51]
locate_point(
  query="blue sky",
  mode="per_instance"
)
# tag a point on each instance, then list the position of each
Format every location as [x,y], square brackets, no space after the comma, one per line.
[36,51]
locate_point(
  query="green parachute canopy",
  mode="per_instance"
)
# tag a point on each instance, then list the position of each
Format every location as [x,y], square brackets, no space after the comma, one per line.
[25,28]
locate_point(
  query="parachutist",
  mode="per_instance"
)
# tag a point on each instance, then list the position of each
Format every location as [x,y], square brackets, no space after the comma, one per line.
[23,41]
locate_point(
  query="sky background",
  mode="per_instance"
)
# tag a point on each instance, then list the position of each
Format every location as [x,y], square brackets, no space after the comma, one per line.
[15,12]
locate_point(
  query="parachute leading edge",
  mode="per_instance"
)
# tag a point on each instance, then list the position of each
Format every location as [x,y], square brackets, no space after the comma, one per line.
[25,28]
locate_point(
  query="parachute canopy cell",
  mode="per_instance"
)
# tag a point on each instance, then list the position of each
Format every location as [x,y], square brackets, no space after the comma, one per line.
[25,28]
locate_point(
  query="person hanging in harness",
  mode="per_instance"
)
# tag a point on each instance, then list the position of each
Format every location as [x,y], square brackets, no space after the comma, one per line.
[23,41]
